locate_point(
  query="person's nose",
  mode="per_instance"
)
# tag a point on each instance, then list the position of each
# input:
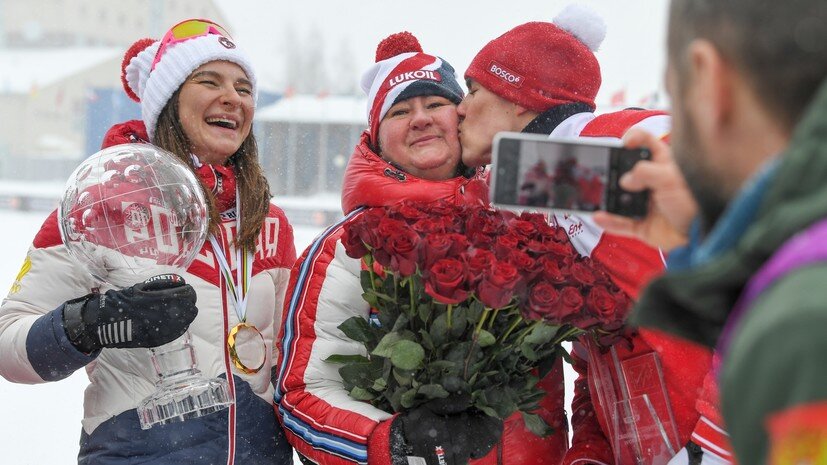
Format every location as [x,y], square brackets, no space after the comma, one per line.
[230,97]
[421,117]
[461,109]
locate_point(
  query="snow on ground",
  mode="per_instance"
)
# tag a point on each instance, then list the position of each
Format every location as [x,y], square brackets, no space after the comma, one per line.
[40,424]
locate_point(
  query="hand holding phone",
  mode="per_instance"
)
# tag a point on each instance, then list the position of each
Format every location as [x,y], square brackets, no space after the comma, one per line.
[576,175]
[672,207]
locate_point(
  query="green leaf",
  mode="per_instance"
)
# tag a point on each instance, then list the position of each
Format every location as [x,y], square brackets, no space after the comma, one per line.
[486,339]
[453,383]
[432,391]
[460,321]
[425,312]
[401,323]
[408,398]
[442,366]
[385,297]
[528,352]
[358,329]
[380,385]
[501,399]
[396,400]
[547,363]
[338,358]
[364,279]
[536,424]
[541,334]
[403,377]
[359,393]
[370,298]
[386,345]
[487,410]
[439,329]
[426,340]
[358,374]
[566,356]
[407,355]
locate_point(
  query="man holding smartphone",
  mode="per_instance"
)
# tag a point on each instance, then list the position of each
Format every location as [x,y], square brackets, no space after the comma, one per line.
[542,78]
[748,81]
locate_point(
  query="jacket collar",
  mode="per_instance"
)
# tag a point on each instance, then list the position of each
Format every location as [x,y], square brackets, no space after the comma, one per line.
[546,121]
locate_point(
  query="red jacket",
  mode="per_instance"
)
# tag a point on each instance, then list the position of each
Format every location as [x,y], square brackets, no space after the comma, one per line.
[686,367]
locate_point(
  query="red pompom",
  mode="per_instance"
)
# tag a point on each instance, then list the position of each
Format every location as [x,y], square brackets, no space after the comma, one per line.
[133,51]
[395,44]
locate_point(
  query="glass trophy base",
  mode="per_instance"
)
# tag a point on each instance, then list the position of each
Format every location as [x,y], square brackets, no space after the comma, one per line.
[183,399]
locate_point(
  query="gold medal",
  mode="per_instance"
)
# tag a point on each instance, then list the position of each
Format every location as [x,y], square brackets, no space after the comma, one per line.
[246,342]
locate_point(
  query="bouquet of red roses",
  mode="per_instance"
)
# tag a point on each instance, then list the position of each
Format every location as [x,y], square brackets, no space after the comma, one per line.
[469,307]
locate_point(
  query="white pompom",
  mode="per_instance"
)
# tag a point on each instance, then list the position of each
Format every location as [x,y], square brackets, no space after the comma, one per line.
[582,22]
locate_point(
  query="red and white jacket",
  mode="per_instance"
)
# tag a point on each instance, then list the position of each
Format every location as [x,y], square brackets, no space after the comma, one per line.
[686,367]
[321,420]
[36,349]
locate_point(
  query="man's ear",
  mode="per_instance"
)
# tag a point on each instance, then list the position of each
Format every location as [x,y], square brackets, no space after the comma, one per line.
[713,84]
[522,116]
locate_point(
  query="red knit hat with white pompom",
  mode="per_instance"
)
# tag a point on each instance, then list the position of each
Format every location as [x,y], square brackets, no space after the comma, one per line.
[403,71]
[540,65]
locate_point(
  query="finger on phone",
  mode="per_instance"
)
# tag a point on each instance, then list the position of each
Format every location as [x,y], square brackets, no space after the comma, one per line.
[636,138]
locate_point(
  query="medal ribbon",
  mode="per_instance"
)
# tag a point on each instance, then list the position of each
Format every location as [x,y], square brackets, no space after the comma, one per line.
[244,271]
[238,290]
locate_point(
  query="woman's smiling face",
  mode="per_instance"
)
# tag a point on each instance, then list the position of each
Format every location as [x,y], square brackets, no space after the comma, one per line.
[420,136]
[216,108]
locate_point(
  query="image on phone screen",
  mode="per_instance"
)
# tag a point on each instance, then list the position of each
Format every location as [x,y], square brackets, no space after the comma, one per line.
[534,172]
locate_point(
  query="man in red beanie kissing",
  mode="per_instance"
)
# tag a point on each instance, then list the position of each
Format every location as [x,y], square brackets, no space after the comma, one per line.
[542,78]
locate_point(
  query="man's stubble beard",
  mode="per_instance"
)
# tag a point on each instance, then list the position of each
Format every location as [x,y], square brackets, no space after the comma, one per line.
[706,185]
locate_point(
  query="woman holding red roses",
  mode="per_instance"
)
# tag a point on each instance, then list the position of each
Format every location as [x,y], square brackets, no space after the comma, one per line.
[411,151]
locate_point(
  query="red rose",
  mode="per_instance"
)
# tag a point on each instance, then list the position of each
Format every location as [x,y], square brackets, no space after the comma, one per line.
[442,208]
[429,225]
[569,305]
[354,247]
[549,246]
[505,245]
[602,305]
[480,261]
[497,286]
[400,252]
[523,229]
[484,222]
[410,212]
[445,281]
[361,233]
[550,269]
[540,222]
[540,302]
[435,247]
[459,245]
[581,272]
[560,235]
[527,266]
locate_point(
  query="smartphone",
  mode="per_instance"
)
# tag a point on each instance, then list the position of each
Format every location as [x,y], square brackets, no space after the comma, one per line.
[530,171]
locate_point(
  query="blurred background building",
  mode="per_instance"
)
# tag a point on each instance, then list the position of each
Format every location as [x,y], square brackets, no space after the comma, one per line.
[60,90]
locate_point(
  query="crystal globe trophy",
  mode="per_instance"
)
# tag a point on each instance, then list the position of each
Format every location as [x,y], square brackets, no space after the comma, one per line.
[131,212]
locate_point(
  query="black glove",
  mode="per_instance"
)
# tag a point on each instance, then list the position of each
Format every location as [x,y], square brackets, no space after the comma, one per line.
[148,314]
[451,439]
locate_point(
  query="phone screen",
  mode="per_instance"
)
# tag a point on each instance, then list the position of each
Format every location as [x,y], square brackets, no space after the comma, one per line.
[535,172]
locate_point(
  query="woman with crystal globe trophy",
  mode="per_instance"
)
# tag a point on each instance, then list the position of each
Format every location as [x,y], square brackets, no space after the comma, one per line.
[148,230]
